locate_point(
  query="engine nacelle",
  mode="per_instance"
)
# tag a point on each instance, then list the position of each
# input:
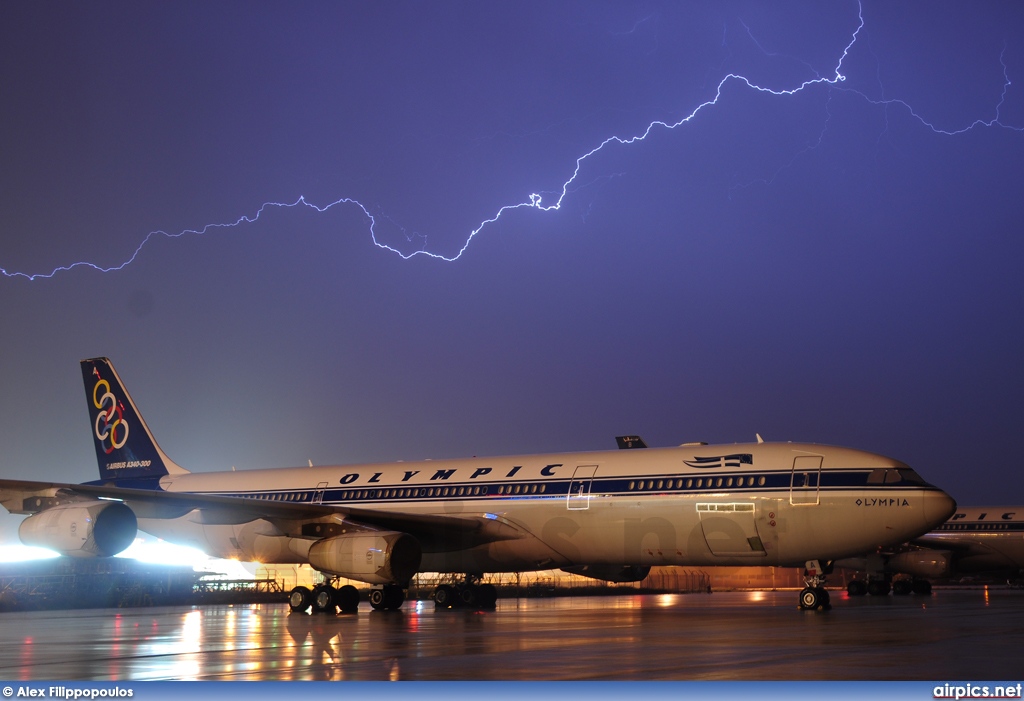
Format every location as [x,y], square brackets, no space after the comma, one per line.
[82,528]
[611,573]
[926,564]
[376,557]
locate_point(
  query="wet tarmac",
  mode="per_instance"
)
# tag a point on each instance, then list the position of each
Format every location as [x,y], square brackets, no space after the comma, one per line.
[953,634]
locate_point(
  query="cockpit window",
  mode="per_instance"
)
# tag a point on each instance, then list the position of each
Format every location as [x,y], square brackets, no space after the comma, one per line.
[877,476]
[910,476]
[893,475]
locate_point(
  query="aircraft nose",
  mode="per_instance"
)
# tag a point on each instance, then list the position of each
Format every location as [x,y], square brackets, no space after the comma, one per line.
[938,507]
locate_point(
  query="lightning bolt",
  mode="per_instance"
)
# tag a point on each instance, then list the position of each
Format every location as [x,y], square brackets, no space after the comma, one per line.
[536,201]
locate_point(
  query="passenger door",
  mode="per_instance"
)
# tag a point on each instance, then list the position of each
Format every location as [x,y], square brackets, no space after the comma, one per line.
[578,498]
[803,483]
[318,495]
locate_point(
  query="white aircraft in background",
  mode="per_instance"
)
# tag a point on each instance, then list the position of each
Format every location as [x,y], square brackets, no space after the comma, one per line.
[610,515]
[975,540]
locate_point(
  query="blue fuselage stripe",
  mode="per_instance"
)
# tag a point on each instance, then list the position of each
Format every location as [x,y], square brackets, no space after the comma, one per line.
[736,483]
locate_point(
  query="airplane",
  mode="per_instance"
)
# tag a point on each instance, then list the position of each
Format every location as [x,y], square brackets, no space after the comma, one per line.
[609,515]
[975,540]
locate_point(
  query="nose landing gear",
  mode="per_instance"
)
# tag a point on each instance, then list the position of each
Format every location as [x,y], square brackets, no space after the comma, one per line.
[814,596]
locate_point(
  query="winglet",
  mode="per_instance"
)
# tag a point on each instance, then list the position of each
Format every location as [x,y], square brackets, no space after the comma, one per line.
[125,448]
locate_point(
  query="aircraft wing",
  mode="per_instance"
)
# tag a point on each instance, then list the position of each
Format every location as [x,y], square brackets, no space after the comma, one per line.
[944,542]
[435,532]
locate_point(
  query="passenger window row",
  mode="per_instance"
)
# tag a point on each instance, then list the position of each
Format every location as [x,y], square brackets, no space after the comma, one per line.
[407,492]
[286,496]
[696,483]
[974,527]
[391,493]
[518,489]
[523,489]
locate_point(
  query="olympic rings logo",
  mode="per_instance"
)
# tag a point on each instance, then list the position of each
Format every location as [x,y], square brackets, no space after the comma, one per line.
[106,425]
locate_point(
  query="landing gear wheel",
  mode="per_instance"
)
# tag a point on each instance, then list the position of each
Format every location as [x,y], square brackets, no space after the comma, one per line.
[348,599]
[901,587]
[444,596]
[878,587]
[300,599]
[393,596]
[467,596]
[814,598]
[486,596]
[857,588]
[324,599]
[923,587]
[388,597]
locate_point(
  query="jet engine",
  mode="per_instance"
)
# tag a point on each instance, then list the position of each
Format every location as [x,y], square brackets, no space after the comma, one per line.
[375,557]
[926,564]
[82,528]
[611,573]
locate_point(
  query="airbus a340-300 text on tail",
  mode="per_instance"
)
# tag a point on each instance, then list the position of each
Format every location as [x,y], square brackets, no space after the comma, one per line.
[610,515]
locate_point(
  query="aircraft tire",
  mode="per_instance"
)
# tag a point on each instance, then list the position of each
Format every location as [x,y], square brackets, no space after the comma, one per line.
[348,599]
[878,587]
[393,596]
[444,596]
[901,587]
[324,599]
[467,596]
[377,599]
[486,597]
[810,598]
[299,599]
[857,588]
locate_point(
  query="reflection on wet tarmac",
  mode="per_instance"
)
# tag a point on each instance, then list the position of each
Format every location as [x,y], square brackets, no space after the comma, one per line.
[954,634]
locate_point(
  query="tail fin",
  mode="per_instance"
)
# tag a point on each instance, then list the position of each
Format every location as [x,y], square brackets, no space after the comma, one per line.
[125,448]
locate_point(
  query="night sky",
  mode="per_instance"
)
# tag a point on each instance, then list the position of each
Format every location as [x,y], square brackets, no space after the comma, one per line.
[841,265]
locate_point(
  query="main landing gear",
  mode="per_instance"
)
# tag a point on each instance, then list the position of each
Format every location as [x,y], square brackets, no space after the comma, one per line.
[470,594]
[324,598]
[814,596]
[882,586]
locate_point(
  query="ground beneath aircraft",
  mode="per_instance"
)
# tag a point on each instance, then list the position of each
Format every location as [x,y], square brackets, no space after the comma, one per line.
[961,634]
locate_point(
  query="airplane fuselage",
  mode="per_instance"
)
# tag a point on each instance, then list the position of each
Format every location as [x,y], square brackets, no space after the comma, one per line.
[982,539]
[778,504]
[610,515]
